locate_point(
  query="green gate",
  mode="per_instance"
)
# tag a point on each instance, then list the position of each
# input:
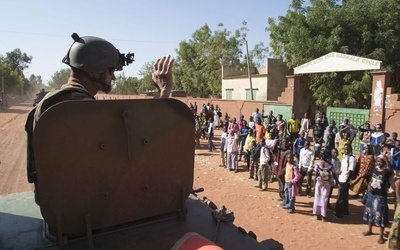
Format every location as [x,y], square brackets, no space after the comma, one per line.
[356,117]
[285,110]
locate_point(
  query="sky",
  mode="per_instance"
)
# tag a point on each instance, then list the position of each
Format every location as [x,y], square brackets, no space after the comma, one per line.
[148,28]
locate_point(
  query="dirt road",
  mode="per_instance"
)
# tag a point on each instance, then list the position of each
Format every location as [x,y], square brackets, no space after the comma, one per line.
[254,210]
[13,149]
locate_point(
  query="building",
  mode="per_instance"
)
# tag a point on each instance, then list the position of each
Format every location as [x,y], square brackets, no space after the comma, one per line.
[268,82]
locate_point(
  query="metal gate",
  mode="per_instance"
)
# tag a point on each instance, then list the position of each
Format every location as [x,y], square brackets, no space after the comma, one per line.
[356,117]
[285,110]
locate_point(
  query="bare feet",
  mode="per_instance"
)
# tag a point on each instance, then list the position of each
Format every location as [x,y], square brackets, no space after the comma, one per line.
[381,240]
[367,233]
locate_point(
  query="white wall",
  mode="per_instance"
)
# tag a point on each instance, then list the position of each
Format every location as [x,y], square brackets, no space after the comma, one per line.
[240,85]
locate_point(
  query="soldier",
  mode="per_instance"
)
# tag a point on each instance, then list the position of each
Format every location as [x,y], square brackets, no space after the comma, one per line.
[93,62]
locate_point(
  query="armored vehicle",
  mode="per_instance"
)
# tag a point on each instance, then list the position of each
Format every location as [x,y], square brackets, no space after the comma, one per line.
[116,174]
[39,96]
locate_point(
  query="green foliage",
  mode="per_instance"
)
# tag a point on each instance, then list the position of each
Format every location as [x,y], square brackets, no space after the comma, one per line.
[125,85]
[59,78]
[18,60]
[11,77]
[199,61]
[34,84]
[146,73]
[11,71]
[366,28]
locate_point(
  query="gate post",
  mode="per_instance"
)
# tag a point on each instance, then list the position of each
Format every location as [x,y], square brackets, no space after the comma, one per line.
[294,93]
[380,81]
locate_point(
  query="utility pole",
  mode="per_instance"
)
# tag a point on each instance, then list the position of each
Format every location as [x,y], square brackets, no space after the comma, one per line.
[248,71]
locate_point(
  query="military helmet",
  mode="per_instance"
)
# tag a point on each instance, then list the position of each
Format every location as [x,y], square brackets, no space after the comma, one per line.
[95,55]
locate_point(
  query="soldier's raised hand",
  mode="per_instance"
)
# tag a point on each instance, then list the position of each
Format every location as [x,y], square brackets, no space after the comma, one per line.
[162,75]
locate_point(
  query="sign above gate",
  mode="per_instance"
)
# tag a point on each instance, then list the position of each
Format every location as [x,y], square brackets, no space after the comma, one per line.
[334,62]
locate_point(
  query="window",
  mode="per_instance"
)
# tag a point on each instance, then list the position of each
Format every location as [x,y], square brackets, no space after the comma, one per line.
[248,94]
[229,93]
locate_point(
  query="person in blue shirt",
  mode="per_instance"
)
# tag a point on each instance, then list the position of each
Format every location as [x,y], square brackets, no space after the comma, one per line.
[244,131]
[299,144]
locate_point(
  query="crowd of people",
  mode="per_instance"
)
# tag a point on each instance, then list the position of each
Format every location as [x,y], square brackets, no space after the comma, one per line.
[312,157]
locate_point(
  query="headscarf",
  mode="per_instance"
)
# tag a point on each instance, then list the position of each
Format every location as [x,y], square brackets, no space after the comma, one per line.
[384,158]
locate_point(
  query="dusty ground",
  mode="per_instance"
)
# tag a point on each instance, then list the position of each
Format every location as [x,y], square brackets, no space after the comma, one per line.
[254,210]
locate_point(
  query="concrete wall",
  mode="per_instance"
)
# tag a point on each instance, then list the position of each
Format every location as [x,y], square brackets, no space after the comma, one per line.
[234,108]
[277,82]
[392,111]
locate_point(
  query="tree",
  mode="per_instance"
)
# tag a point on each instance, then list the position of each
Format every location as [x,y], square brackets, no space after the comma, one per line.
[146,73]
[362,28]
[13,81]
[125,85]
[34,84]
[11,70]
[59,78]
[199,61]
[18,60]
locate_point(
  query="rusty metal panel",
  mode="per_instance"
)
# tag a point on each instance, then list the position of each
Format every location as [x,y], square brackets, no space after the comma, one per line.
[117,161]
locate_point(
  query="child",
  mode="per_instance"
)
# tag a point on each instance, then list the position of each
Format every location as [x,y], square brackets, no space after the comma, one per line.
[291,178]
[197,135]
[299,144]
[330,140]
[323,173]
[306,162]
[395,155]
[232,150]
[280,167]
[252,123]
[391,142]
[224,135]
[347,168]
[344,140]
[376,136]
[247,147]
[334,161]
[365,136]
[376,208]
[254,157]
[265,161]
[210,134]
[267,135]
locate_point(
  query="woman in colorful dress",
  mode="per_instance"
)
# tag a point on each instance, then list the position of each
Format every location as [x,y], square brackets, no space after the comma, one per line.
[376,207]
[366,163]
[324,177]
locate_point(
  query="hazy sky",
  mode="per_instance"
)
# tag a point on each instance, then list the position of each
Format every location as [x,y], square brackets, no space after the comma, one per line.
[148,28]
